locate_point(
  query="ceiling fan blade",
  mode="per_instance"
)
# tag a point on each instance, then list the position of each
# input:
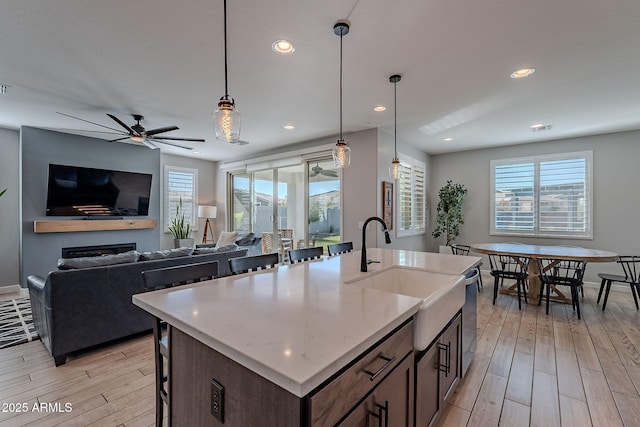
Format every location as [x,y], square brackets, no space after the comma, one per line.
[121,123]
[92,131]
[120,139]
[331,174]
[161,130]
[87,121]
[178,139]
[171,143]
[149,144]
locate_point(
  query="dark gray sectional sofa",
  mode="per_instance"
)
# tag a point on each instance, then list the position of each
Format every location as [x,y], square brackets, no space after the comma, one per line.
[81,307]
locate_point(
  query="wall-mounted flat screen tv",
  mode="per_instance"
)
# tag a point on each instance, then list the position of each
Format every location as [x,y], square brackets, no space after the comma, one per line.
[79,191]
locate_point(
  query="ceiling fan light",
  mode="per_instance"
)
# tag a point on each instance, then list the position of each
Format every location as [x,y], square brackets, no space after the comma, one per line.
[137,138]
[226,120]
[341,154]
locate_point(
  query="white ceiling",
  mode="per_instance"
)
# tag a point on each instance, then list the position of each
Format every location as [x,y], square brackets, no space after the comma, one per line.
[163,59]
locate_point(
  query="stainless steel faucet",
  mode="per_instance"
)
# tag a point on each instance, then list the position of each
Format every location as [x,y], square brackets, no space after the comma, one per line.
[364,262]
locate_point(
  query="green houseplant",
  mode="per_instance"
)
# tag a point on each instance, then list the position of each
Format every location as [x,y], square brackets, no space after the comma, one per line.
[449,211]
[180,228]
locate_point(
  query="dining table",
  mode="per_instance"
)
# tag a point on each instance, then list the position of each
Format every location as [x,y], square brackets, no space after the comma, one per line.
[542,251]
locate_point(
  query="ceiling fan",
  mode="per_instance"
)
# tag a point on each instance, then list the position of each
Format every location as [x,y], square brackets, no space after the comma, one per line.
[318,170]
[138,133]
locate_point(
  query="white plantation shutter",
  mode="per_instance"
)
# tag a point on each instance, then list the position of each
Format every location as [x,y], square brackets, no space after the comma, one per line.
[411,197]
[543,195]
[514,196]
[180,183]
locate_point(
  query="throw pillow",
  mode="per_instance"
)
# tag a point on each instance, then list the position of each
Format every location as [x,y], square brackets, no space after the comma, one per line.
[245,240]
[227,238]
[166,253]
[98,261]
[227,248]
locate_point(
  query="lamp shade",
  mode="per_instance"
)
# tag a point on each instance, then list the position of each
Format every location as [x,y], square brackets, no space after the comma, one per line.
[207,211]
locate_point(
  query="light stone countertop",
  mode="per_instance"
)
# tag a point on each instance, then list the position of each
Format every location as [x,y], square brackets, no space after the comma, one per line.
[297,325]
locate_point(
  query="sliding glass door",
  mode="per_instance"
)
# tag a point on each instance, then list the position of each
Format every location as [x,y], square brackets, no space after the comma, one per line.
[300,204]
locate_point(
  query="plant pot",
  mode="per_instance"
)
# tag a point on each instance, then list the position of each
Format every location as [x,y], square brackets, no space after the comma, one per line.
[183,243]
[444,249]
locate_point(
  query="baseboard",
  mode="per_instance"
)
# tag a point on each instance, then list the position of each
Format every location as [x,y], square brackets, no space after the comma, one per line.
[13,289]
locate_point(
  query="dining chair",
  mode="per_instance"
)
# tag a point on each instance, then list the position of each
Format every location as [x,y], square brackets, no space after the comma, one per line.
[340,248]
[511,267]
[306,254]
[253,263]
[459,249]
[162,278]
[561,272]
[631,268]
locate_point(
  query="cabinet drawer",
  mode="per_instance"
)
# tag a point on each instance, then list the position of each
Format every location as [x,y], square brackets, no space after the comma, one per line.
[343,393]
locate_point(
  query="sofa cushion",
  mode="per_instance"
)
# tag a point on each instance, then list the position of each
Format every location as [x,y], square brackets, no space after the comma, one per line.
[98,261]
[215,250]
[166,253]
[227,238]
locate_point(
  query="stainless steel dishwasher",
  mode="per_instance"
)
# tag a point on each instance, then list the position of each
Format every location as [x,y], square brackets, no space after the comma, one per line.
[469,319]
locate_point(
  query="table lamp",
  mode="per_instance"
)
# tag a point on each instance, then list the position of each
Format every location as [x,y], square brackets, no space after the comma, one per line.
[207,212]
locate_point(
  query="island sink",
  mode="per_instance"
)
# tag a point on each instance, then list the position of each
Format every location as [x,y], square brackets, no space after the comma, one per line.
[442,296]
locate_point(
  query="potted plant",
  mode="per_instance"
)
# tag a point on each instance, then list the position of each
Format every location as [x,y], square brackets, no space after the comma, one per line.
[449,211]
[180,229]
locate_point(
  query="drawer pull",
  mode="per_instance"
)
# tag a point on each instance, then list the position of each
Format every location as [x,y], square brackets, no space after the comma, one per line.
[388,362]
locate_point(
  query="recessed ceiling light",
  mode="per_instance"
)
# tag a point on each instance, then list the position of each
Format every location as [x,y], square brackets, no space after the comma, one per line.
[539,127]
[448,139]
[289,127]
[196,152]
[379,108]
[522,73]
[283,47]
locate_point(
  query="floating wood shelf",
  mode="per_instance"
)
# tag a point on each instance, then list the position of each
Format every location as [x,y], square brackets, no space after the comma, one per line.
[67,226]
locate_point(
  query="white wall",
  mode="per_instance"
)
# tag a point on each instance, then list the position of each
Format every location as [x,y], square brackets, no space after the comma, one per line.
[616,176]
[9,207]
[206,194]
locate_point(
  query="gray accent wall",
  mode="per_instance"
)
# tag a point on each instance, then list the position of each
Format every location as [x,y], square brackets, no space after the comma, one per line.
[9,207]
[39,148]
[616,176]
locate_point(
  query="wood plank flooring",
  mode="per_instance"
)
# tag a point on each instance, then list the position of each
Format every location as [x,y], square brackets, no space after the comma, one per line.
[530,369]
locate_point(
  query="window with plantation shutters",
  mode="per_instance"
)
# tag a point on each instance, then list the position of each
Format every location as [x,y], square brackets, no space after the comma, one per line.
[180,184]
[411,197]
[548,196]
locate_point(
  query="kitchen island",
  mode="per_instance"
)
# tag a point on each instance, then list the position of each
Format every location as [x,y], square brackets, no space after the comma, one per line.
[275,339]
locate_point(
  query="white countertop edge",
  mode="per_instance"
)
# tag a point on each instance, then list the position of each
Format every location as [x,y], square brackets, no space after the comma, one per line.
[297,389]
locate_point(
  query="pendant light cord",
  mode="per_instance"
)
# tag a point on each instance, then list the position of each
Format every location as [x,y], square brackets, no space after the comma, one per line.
[341,86]
[226,88]
[395,119]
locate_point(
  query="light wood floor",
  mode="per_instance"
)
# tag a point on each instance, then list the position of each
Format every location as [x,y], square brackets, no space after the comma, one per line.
[555,370]
[529,369]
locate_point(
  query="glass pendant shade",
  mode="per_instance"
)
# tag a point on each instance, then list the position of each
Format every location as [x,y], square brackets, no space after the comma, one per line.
[341,154]
[226,120]
[395,170]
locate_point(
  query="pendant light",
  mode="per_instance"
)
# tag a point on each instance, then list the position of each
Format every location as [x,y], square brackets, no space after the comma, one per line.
[395,169]
[341,153]
[226,118]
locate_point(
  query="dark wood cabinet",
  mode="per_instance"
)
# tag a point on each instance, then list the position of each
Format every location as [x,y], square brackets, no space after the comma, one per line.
[438,371]
[390,404]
